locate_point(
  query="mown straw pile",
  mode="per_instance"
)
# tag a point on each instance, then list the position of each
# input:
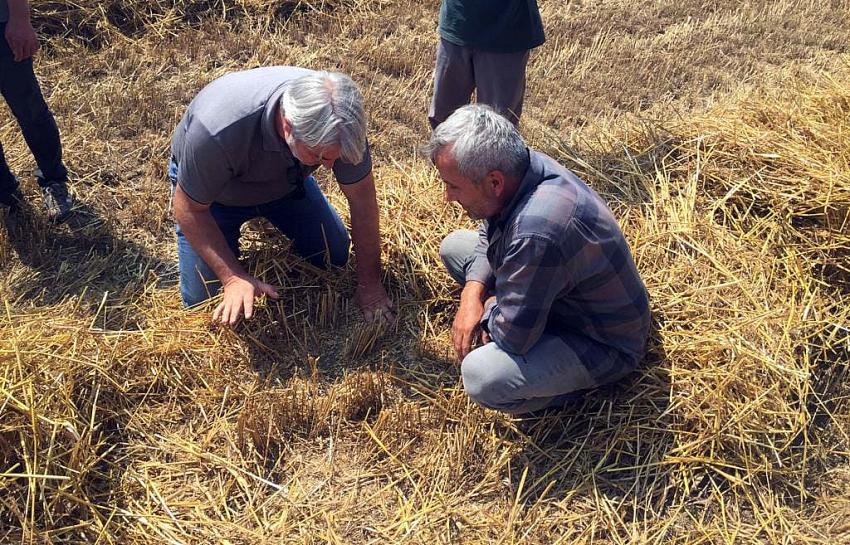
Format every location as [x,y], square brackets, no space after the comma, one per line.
[719,135]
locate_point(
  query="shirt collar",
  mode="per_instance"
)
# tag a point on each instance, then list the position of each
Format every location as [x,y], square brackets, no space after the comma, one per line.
[271,139]
[530,180]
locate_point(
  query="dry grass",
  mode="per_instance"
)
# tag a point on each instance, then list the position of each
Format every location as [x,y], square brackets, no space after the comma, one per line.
[718,133]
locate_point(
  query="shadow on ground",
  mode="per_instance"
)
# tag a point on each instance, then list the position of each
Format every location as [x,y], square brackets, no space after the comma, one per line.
[83,258]
[611,443]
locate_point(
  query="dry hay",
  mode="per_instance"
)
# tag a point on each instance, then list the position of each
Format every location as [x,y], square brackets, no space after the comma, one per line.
[124,419]
[97,24]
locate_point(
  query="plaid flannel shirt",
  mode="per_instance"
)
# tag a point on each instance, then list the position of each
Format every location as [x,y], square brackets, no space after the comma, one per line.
[557,261]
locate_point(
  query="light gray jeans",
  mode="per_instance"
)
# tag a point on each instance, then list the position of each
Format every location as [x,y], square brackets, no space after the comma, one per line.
[548,375]
[498,77]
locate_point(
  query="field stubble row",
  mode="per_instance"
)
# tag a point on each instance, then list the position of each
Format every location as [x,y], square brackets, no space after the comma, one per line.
[717,132]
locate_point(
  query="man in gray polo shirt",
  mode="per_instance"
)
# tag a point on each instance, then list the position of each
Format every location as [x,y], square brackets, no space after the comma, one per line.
[246,148]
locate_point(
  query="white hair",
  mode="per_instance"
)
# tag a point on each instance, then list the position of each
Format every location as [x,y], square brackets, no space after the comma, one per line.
[326,109]
[480,141]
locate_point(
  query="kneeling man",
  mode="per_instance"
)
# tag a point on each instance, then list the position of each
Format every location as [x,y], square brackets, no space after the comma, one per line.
[548,281]
[246,147]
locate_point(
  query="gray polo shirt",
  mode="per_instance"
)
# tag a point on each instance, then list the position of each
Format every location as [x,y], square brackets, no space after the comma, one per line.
[228,151]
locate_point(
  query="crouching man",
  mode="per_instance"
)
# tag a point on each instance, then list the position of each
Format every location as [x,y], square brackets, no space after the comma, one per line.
[246,147]
[549,282]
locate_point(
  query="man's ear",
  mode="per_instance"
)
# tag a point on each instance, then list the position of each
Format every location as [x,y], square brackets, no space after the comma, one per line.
[495,181]
[282,126]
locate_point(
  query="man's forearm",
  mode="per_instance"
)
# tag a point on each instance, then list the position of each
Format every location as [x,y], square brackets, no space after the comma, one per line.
[365,230]
[366,238]
[207,240]
[473,292]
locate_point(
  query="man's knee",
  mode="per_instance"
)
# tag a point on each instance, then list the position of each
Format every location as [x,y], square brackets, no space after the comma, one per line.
[340,247]
[335,252]
[486,379]
[449,246]
[340,259]
[338,254]
[456,250]
[196,290]
[191,298]
[197,281]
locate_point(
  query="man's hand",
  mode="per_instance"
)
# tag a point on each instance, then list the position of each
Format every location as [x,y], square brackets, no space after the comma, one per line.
[466,327]
[467,323]
[238,287]
[239,293]
[374,302]
[21,38]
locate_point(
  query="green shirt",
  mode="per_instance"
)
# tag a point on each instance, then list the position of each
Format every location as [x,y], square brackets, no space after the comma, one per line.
[501,26]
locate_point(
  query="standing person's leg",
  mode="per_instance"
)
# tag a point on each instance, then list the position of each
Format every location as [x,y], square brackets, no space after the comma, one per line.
[557,366]
[500,81]
[454,81]
[8,183]
[313,225]
[22,92]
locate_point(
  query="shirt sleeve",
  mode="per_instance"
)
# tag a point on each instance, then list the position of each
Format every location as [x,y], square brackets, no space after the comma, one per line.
[203,169]
[479,270]
[532,275]
[346,173]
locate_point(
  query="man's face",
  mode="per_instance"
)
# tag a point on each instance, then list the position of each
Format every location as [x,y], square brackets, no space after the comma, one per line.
[478,200]
[314,156]
[311,156]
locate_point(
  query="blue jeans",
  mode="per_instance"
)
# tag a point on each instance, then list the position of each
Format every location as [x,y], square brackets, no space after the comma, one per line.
[315,228]
[22,93]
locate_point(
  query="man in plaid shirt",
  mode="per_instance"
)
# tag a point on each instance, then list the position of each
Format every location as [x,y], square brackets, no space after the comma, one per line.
[549,283]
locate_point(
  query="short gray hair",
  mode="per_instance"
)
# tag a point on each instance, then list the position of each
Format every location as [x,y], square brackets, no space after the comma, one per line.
[481,141]
[326,109]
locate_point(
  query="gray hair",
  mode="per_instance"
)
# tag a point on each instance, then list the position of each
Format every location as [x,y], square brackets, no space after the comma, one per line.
[480,141]
[326,109]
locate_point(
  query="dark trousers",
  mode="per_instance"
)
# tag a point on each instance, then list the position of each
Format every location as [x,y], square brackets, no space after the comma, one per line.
[498,78]
[22,93]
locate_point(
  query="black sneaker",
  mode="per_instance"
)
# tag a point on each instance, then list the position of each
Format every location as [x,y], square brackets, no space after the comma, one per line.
[58,201]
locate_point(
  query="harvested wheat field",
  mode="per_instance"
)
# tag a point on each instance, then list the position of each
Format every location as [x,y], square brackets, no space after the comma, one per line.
[719,134]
